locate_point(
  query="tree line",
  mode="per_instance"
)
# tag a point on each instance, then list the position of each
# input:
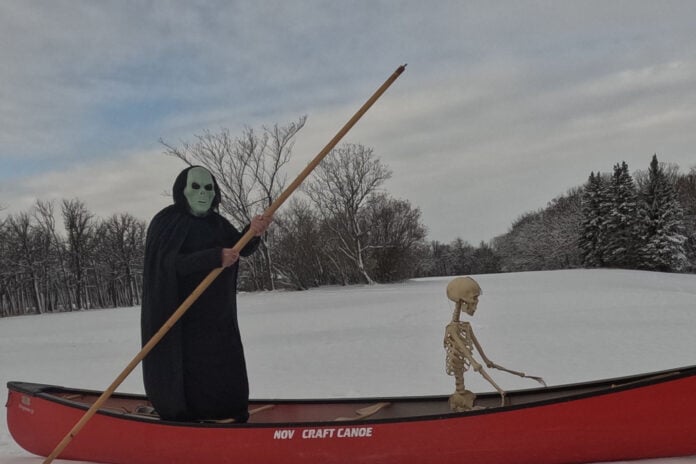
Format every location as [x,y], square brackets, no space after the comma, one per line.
[91,263]
[343,228]
[615,220]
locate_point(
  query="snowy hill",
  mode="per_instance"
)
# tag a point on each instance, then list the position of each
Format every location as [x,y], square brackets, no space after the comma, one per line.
[566,326]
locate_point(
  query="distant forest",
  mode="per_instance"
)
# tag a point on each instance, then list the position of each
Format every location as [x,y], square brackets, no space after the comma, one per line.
[344,229]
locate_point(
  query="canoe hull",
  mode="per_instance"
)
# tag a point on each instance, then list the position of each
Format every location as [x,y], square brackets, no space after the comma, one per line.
[648,420]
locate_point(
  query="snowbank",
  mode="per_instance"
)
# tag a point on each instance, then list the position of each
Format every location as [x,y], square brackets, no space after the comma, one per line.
[386,340]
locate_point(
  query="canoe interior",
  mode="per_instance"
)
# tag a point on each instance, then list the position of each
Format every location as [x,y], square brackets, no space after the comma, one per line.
[274,412]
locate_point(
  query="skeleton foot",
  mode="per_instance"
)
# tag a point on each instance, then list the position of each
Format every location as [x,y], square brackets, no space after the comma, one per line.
[462,402]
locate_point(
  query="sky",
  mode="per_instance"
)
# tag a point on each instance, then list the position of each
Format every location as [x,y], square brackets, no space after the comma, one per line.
[503,106]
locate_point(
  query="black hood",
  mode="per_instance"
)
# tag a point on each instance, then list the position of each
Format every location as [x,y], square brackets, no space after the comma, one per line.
[180,185]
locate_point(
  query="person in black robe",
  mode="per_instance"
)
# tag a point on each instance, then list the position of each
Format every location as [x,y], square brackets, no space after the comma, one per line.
[197,371]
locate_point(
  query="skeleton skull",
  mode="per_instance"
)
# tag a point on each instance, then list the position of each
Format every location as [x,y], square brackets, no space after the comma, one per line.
[464,291]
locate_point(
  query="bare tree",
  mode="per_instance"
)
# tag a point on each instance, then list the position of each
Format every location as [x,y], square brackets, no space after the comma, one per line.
[119,256]
[249,171]
[23,258]
[91,265]
[55,256]
[396,234]
[544,239]
[5,274]
[340,187]
[79,226]
[298,247]
[439,260]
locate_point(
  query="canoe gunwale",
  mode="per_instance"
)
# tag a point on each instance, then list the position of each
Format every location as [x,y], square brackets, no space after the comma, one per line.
[591,389]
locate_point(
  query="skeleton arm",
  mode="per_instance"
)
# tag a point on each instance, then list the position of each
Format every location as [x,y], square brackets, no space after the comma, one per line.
[490,380]
[493,365]
[488,362]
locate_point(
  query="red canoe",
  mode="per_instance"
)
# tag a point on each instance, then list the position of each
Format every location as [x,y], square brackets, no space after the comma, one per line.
[644,416]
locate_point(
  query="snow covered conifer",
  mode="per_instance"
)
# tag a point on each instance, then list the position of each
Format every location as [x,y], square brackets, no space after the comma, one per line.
[592,233]
[686,193]
[664,234]
[621,223]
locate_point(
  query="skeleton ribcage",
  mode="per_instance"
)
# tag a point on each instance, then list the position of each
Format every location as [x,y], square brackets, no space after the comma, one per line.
[458,360]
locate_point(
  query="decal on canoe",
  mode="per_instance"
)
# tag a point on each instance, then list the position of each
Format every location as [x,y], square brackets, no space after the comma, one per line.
[323,433]
[25,404]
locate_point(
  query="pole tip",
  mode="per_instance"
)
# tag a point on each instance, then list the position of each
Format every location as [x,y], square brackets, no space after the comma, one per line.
[401,68]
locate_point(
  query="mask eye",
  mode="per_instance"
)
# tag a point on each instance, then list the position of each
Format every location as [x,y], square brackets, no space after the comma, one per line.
[195,186]
[209,187]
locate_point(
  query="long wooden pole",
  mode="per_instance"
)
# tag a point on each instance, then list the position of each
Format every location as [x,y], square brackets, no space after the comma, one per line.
[205,283]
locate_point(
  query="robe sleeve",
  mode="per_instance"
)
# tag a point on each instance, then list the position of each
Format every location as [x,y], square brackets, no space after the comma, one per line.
[199,261]
[250,247]
[209,259]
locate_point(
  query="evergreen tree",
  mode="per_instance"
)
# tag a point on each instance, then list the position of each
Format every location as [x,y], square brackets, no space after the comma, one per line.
[686,193]
[664,233]
[622,224]
[592,234]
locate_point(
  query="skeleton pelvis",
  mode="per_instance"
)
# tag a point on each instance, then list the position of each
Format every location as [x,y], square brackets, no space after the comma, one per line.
[462,401]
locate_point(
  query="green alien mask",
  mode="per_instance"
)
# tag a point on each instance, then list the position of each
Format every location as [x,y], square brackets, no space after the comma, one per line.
[199,191]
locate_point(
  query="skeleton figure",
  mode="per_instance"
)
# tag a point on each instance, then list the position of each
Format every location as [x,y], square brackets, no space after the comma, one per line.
[460,342]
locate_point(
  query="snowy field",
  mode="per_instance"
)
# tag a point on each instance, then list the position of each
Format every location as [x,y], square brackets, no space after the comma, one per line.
[386,340]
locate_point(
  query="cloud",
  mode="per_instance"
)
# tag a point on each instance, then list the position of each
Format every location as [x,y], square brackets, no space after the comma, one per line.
[473,158]
[503,106]
[136,183]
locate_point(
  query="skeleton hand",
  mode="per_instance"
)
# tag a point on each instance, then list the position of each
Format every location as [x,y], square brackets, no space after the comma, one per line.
[538,379]
[229,256]
[260,223]
[533,377]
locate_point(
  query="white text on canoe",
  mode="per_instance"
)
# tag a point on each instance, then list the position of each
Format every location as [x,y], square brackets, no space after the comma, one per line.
[322,433]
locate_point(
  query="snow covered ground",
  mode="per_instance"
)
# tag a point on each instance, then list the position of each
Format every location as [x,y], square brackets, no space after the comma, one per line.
[567,326]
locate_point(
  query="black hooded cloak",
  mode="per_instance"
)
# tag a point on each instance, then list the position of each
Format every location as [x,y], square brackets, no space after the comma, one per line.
[197,371]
